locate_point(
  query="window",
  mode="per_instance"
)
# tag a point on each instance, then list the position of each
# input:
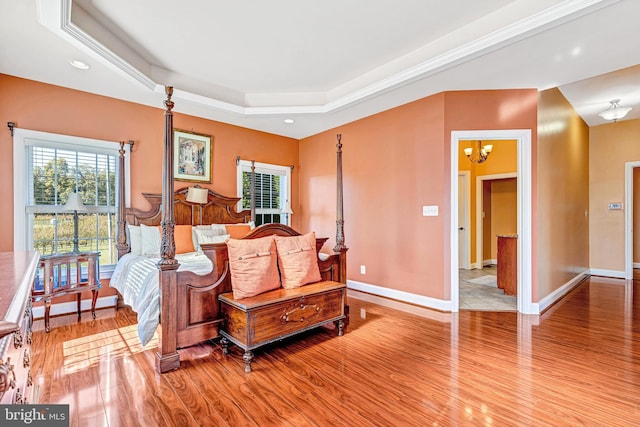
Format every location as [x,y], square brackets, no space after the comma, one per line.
[272,191]
[53,167]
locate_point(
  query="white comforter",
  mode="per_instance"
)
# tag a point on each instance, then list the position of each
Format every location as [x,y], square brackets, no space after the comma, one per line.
[136,277]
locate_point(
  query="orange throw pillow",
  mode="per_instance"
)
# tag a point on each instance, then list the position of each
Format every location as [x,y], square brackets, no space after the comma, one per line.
[237,231]
[298,260]
[254,266]
[183,239]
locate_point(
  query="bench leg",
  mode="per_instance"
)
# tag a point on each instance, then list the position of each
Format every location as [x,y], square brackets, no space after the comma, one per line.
[247,357]
[94,298]
[340,326]
[225,345]
[47,309]
[79,299]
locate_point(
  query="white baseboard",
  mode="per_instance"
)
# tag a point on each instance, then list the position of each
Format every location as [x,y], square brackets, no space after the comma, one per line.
[489,262]
[403,296]
[607,273]
[556,295]
[72,306]
[636,265]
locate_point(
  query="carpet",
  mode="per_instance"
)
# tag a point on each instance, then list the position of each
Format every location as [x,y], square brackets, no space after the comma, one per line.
[485,280]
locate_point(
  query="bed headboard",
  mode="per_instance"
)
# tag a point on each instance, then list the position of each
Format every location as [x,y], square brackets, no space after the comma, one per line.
[219,209]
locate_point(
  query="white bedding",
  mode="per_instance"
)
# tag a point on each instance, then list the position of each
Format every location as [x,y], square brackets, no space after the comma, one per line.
[136,277]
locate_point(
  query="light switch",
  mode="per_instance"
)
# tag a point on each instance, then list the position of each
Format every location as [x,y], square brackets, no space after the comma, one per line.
[430,210]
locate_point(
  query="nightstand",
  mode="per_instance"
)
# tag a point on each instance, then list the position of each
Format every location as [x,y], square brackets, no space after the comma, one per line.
[65,274]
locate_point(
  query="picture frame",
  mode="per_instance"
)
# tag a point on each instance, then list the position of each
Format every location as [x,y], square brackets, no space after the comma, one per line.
[192,156]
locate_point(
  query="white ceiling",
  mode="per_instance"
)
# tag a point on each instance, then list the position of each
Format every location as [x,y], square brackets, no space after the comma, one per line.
[254,63]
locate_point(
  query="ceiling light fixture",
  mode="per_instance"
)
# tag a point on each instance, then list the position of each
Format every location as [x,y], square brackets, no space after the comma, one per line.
[615,111]
[79,64]
[289,121]
[480,154]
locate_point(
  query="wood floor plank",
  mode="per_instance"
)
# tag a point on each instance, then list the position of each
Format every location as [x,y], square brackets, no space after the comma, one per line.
[576,364]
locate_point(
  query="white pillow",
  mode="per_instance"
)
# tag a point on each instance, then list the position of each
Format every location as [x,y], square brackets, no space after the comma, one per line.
[194,236]
[220,227]
[135,239]
[150,240]
[210,236]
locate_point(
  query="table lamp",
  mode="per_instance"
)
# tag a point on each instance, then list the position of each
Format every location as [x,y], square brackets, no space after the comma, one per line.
[74,204]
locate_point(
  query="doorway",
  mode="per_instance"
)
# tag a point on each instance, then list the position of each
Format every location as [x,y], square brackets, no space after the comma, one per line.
[630,169]
[496,215]
[524,244]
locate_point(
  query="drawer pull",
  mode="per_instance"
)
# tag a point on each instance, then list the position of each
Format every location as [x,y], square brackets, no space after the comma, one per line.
[17,338]
[7,377]
[300,313]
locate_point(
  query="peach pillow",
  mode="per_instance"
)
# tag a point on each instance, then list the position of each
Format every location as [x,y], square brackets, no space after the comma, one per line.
[298,260]
[254,266]
[183,239]
[237,231]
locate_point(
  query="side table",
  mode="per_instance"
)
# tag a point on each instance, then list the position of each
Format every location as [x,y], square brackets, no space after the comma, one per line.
[64,274]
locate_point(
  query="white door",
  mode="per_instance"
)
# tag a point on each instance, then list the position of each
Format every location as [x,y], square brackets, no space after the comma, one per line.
[463,222]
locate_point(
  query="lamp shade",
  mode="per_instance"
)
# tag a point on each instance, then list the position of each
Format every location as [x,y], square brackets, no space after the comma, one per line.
[197,195]
[74,203]
[286,209]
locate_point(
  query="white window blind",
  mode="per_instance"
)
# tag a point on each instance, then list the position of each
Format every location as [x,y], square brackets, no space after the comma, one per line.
[53,167]
[271,191]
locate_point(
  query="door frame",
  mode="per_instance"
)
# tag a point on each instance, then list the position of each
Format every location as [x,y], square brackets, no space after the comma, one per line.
[466,236]
[523,139]
[628,218]
[479,209]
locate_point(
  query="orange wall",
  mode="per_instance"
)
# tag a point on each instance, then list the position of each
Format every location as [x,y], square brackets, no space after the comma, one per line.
[504,210]
[395,162]
[563,192]
[636,214]
[610,147]
[49,108]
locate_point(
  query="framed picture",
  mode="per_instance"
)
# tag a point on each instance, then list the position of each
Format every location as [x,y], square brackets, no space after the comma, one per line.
[192,154]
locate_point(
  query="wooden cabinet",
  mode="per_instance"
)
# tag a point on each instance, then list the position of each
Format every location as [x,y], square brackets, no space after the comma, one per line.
[17,270]
[64,274]
[255,321]
[508,264]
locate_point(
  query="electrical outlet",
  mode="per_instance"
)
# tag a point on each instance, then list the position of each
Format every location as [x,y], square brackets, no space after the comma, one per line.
[363,313]
[363,269]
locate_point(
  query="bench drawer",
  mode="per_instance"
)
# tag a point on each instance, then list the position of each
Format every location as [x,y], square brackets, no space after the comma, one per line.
[258,326]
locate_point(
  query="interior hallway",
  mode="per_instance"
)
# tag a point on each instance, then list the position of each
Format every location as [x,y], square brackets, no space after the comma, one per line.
[477,292]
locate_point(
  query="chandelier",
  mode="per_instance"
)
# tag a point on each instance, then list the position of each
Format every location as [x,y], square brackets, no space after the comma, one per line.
[615,111]
[480,154]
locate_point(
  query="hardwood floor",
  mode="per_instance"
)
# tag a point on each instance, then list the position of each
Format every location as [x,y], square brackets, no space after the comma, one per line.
[577,364]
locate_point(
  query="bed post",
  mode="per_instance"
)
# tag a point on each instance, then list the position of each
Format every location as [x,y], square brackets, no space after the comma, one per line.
[340,247]
[253,191]
[167,357]
[121,241]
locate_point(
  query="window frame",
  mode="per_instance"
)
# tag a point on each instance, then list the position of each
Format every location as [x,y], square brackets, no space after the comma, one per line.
[22,138]
[271,169]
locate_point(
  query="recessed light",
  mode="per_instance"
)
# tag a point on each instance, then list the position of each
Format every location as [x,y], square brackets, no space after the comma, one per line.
[289,121]
[79,64]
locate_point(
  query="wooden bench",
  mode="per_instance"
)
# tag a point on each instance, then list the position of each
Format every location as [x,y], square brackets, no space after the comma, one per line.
[253,322]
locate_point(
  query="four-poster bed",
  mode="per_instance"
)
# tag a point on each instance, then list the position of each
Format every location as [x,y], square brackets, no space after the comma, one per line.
[188,301]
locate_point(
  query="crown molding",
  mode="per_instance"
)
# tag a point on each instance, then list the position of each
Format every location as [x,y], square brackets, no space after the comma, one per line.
[56,15]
